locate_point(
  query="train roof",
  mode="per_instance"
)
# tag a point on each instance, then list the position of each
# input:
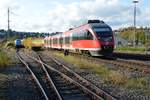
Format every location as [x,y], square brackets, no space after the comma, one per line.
[88,24]
[94,21]
[18,39]
[91,24]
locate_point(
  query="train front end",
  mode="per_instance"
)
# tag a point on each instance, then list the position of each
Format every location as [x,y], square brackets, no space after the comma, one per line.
[105,38]
[18,43]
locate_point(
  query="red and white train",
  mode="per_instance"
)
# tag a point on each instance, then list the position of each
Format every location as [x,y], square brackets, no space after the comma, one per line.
[95,38]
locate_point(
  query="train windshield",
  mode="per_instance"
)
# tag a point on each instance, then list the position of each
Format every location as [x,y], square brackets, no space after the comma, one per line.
[104,34]
[103,31]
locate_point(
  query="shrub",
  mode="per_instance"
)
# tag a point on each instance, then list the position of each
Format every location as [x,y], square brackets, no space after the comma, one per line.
[117,78]
[4,59]
[126,48]
[106,75]
[136,83]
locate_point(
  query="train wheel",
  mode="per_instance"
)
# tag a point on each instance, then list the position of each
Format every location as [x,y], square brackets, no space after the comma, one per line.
[66,52]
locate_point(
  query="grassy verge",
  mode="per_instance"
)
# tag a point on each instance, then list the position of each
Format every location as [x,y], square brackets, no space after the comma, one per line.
[137,83]
[4,59]
[107,75]
[3,77]
[130,49]
[148,91]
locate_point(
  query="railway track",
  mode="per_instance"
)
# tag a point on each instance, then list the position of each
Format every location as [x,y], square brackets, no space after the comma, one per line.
[134,65]
[66,84]
[143,57]
[141,66]
[41,79]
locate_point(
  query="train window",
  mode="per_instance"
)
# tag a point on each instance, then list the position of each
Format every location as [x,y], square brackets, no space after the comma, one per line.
[67,40]
[63,39]
[46,41]
[106,39]
[103,31]
[75,36]
[55,41]
[60,40]
[50,41]
[82,35]
[89,35]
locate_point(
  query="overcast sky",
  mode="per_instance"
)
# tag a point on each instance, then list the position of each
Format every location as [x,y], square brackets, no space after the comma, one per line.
[60,15]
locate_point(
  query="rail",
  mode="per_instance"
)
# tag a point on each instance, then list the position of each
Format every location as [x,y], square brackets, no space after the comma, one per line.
[98,91]
[100,94]
[34,77]
[49,78]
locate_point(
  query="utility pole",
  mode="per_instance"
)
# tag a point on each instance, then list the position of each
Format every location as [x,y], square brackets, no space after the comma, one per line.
[8,20]
[135,37]
[8,25]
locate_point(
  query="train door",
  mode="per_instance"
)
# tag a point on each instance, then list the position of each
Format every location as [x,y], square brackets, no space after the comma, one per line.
[52,42]
[57,38]
[60,41]
[71,39]
[63,41]
[49,43]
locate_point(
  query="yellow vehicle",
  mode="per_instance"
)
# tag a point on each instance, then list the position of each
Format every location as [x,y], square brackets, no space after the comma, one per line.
[33,43]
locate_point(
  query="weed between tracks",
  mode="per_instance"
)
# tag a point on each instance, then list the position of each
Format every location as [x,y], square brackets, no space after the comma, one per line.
[107,75]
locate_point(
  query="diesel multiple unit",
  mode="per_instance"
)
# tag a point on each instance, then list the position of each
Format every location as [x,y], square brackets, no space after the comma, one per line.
[94,38]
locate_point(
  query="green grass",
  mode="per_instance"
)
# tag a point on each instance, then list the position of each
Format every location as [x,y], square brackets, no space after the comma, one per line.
[148,91]
[137,83]
[117,78]
[127,48]
[4,59]
[107,76]
[3,77]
